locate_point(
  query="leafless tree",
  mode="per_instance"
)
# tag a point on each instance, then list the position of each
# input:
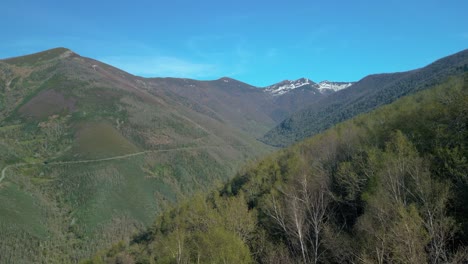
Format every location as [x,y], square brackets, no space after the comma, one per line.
[301,212]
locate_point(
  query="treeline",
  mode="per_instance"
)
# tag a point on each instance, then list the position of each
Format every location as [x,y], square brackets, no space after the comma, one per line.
[390,186]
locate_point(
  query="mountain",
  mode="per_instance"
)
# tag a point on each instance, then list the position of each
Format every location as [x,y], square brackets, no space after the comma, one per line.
[226,100]
[89,154]
[253,109]
[287,86]
[361,97]
[327,86]
[291,96]
[389,186]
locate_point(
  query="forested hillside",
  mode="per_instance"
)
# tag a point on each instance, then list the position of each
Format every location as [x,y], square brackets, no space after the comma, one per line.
[367,94]
[389,186]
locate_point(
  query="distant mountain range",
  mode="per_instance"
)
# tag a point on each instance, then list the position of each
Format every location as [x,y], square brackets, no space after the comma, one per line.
[361,97]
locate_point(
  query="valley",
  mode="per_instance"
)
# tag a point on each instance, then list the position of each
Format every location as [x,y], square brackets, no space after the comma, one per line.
[91,155]
[234,132]
[88,149]
[389,185]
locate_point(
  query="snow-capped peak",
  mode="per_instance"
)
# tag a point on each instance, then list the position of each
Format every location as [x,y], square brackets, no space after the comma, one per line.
[287,85]
[324,87]
[335,86]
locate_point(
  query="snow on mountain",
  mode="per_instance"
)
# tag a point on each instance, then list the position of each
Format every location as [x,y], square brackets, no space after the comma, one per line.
[287,86]
[335,86]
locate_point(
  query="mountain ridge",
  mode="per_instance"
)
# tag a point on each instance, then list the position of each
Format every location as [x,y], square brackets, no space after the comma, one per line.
[269,110]
[363,96]
[64,52]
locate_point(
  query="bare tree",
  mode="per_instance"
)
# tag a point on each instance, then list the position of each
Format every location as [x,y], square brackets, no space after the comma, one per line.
[302,214]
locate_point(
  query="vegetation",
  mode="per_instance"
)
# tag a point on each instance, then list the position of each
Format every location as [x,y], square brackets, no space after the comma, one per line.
[91,155]
[369,93]
[57,109]
[389,186]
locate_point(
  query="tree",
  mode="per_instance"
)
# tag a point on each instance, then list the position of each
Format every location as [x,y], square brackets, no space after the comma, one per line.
[405,219]
[302,213]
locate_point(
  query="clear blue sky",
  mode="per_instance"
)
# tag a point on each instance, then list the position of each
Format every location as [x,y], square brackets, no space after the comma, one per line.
[258,42]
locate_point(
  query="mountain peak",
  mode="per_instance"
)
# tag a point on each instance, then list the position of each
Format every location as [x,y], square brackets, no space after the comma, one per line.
[47,55]
[59,50]
[226,79]
[303,80]
[287,86]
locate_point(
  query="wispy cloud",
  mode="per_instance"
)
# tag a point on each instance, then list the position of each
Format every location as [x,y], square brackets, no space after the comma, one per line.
[205,57]
[162,66]
[463,35]
[228,51]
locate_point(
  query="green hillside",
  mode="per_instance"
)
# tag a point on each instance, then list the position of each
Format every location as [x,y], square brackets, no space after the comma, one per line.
[367,94]
[389,186]
[90,154]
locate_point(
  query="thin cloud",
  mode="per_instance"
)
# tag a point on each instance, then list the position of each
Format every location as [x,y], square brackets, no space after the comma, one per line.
[230,52]
[162,66]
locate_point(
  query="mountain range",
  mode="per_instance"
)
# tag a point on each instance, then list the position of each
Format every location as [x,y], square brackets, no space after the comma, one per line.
[388,186]
[91,154]
[361,97]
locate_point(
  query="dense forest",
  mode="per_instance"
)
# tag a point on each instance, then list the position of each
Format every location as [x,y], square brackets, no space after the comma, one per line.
[389,186]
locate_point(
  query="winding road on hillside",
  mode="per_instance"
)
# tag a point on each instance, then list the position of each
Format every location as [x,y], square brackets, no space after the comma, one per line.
[4,170]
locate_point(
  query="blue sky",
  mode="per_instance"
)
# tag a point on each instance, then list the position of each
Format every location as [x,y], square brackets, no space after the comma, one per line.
[258,42]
